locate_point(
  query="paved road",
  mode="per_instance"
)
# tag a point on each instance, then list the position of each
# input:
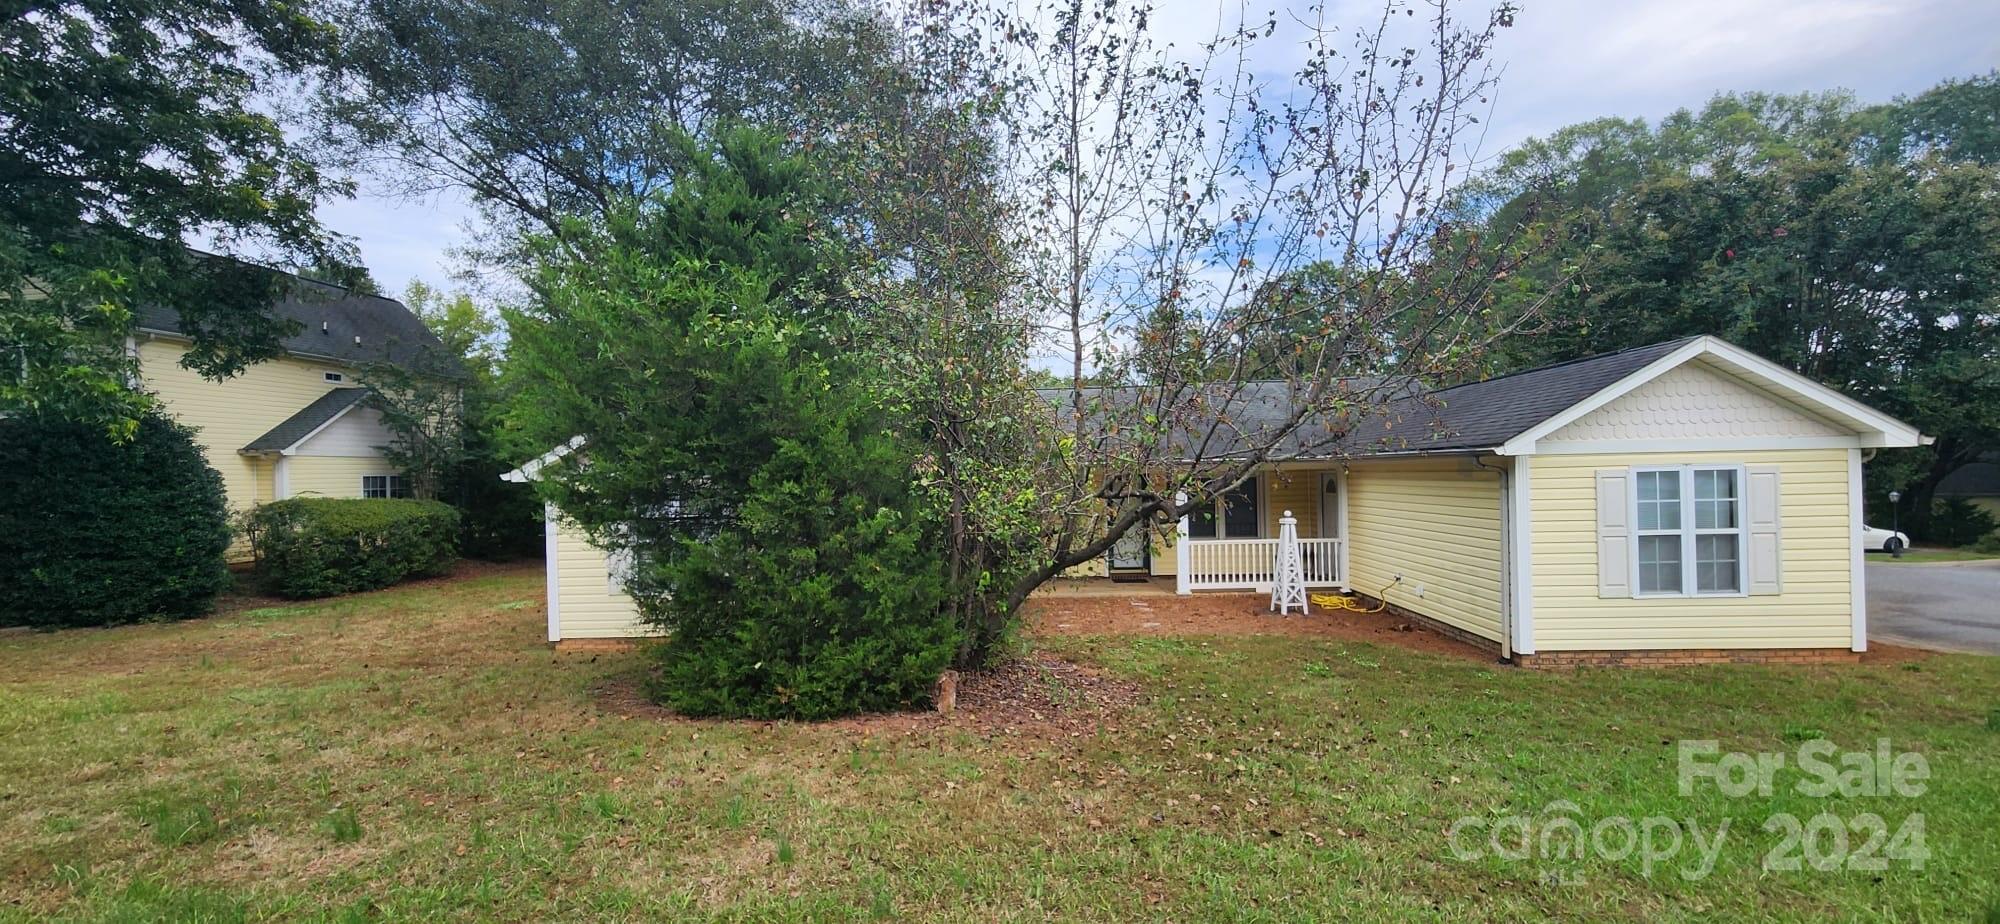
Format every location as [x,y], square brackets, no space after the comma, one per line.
[1954,607]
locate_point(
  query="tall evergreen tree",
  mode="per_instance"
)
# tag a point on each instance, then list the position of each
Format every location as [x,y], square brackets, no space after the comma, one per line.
[700,346]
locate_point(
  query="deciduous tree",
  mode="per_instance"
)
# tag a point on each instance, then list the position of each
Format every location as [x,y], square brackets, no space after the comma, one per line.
[125,128]
[1860,245]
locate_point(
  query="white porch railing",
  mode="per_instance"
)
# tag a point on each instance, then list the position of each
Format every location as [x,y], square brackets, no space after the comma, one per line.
[1251,564]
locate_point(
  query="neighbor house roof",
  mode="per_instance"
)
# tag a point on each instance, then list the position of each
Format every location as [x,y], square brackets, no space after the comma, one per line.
[310,419]
[338,324]
[1973,479]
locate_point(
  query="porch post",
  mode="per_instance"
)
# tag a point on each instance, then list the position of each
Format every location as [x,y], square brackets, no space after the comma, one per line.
[1183,556]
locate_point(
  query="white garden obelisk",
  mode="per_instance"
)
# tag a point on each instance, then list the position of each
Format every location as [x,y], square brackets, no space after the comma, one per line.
[1288,583]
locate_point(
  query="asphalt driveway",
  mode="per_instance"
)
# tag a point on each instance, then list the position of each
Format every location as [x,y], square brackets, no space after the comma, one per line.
[1948,606]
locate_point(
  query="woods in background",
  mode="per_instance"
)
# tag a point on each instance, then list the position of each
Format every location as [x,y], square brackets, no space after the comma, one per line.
[1857,244]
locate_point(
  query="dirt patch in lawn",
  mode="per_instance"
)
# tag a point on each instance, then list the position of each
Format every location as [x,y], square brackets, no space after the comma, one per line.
[1880,653]
[1038,697]
[1232,614]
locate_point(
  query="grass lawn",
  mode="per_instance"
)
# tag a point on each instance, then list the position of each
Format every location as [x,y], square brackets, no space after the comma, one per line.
[420,754]
[1921,556]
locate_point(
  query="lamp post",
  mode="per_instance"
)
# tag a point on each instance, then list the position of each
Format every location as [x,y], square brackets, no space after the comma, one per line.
[1895,523]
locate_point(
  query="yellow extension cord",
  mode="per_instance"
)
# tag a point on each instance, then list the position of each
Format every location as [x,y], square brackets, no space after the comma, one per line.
[1346,602]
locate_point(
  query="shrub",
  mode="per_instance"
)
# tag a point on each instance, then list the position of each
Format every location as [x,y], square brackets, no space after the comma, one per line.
[321,546]
[822,599]
[97,533]
[1957,522]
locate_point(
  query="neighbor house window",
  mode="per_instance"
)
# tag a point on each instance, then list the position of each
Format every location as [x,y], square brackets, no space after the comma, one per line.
[335,377]
[1689,523]
[385,486]
[1239,513]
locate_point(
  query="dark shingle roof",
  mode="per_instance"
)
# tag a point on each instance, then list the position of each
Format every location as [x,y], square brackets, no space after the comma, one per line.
[330,319]
[309,418]
[1386,417]
[1482,415]
[1973,479]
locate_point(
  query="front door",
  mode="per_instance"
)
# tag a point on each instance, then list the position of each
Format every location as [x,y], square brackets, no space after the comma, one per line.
[1132,552]
[1329,505]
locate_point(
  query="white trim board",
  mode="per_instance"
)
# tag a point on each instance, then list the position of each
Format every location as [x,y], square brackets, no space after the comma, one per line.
[551,546]
[1521,524]
[531,469]
[1857,568]
[1874,428]
[1733,444]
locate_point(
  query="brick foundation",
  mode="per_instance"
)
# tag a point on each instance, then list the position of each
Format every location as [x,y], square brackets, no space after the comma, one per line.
[1668,657]
[1685,657]
[573,645]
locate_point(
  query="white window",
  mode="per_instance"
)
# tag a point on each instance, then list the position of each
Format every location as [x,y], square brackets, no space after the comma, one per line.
[1689,528]
[621,561]
[1237,514]
[385,486]
[334,377]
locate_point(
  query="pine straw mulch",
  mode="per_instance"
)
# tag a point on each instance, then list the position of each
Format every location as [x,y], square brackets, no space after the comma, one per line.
[1038,697]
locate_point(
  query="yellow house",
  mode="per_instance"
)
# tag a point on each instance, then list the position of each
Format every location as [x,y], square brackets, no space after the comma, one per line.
[294,425]
[1685,501]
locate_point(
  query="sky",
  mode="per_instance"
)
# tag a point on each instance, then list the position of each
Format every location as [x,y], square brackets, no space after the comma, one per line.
[1564,61]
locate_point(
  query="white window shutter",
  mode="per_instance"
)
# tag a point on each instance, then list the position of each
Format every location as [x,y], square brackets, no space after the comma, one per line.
[1614,532]
[1761,505]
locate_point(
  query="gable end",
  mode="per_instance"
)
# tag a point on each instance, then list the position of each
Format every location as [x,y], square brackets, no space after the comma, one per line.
[1695,401]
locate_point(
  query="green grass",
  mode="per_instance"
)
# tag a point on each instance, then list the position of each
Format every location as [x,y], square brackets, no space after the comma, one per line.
[419,754]
[1931,556]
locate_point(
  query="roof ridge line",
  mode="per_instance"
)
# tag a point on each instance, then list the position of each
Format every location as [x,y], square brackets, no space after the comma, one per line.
[1572,362]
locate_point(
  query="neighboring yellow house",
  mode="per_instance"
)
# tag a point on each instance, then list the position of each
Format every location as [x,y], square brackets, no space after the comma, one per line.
[1685,501]
[295,425]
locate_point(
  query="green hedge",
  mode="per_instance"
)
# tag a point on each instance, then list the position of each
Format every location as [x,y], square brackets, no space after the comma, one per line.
[321,546]
[95,533]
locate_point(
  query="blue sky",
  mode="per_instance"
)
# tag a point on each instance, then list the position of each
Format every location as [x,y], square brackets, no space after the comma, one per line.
[1565,61]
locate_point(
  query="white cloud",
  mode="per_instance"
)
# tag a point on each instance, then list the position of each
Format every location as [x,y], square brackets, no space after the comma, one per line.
[403,239]
[1566,61]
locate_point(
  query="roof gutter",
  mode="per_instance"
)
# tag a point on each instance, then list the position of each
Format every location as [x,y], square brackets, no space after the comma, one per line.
[1359,457]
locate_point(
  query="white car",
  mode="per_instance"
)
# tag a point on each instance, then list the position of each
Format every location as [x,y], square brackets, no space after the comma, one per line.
[1883,540]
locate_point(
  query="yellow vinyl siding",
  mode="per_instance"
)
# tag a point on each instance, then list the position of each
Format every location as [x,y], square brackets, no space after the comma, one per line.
[1166,559]
[1437,523]
[1296,490]
[586,606]
[1813,611]
[231,413]
[332,476]
[1096,567]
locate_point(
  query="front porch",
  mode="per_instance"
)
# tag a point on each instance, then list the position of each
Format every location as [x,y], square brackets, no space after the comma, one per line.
[1251,564]
[1233,547]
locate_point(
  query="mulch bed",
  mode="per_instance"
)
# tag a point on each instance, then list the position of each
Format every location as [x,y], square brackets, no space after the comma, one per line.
[1232,614]
[1044,698]
[1037,697]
